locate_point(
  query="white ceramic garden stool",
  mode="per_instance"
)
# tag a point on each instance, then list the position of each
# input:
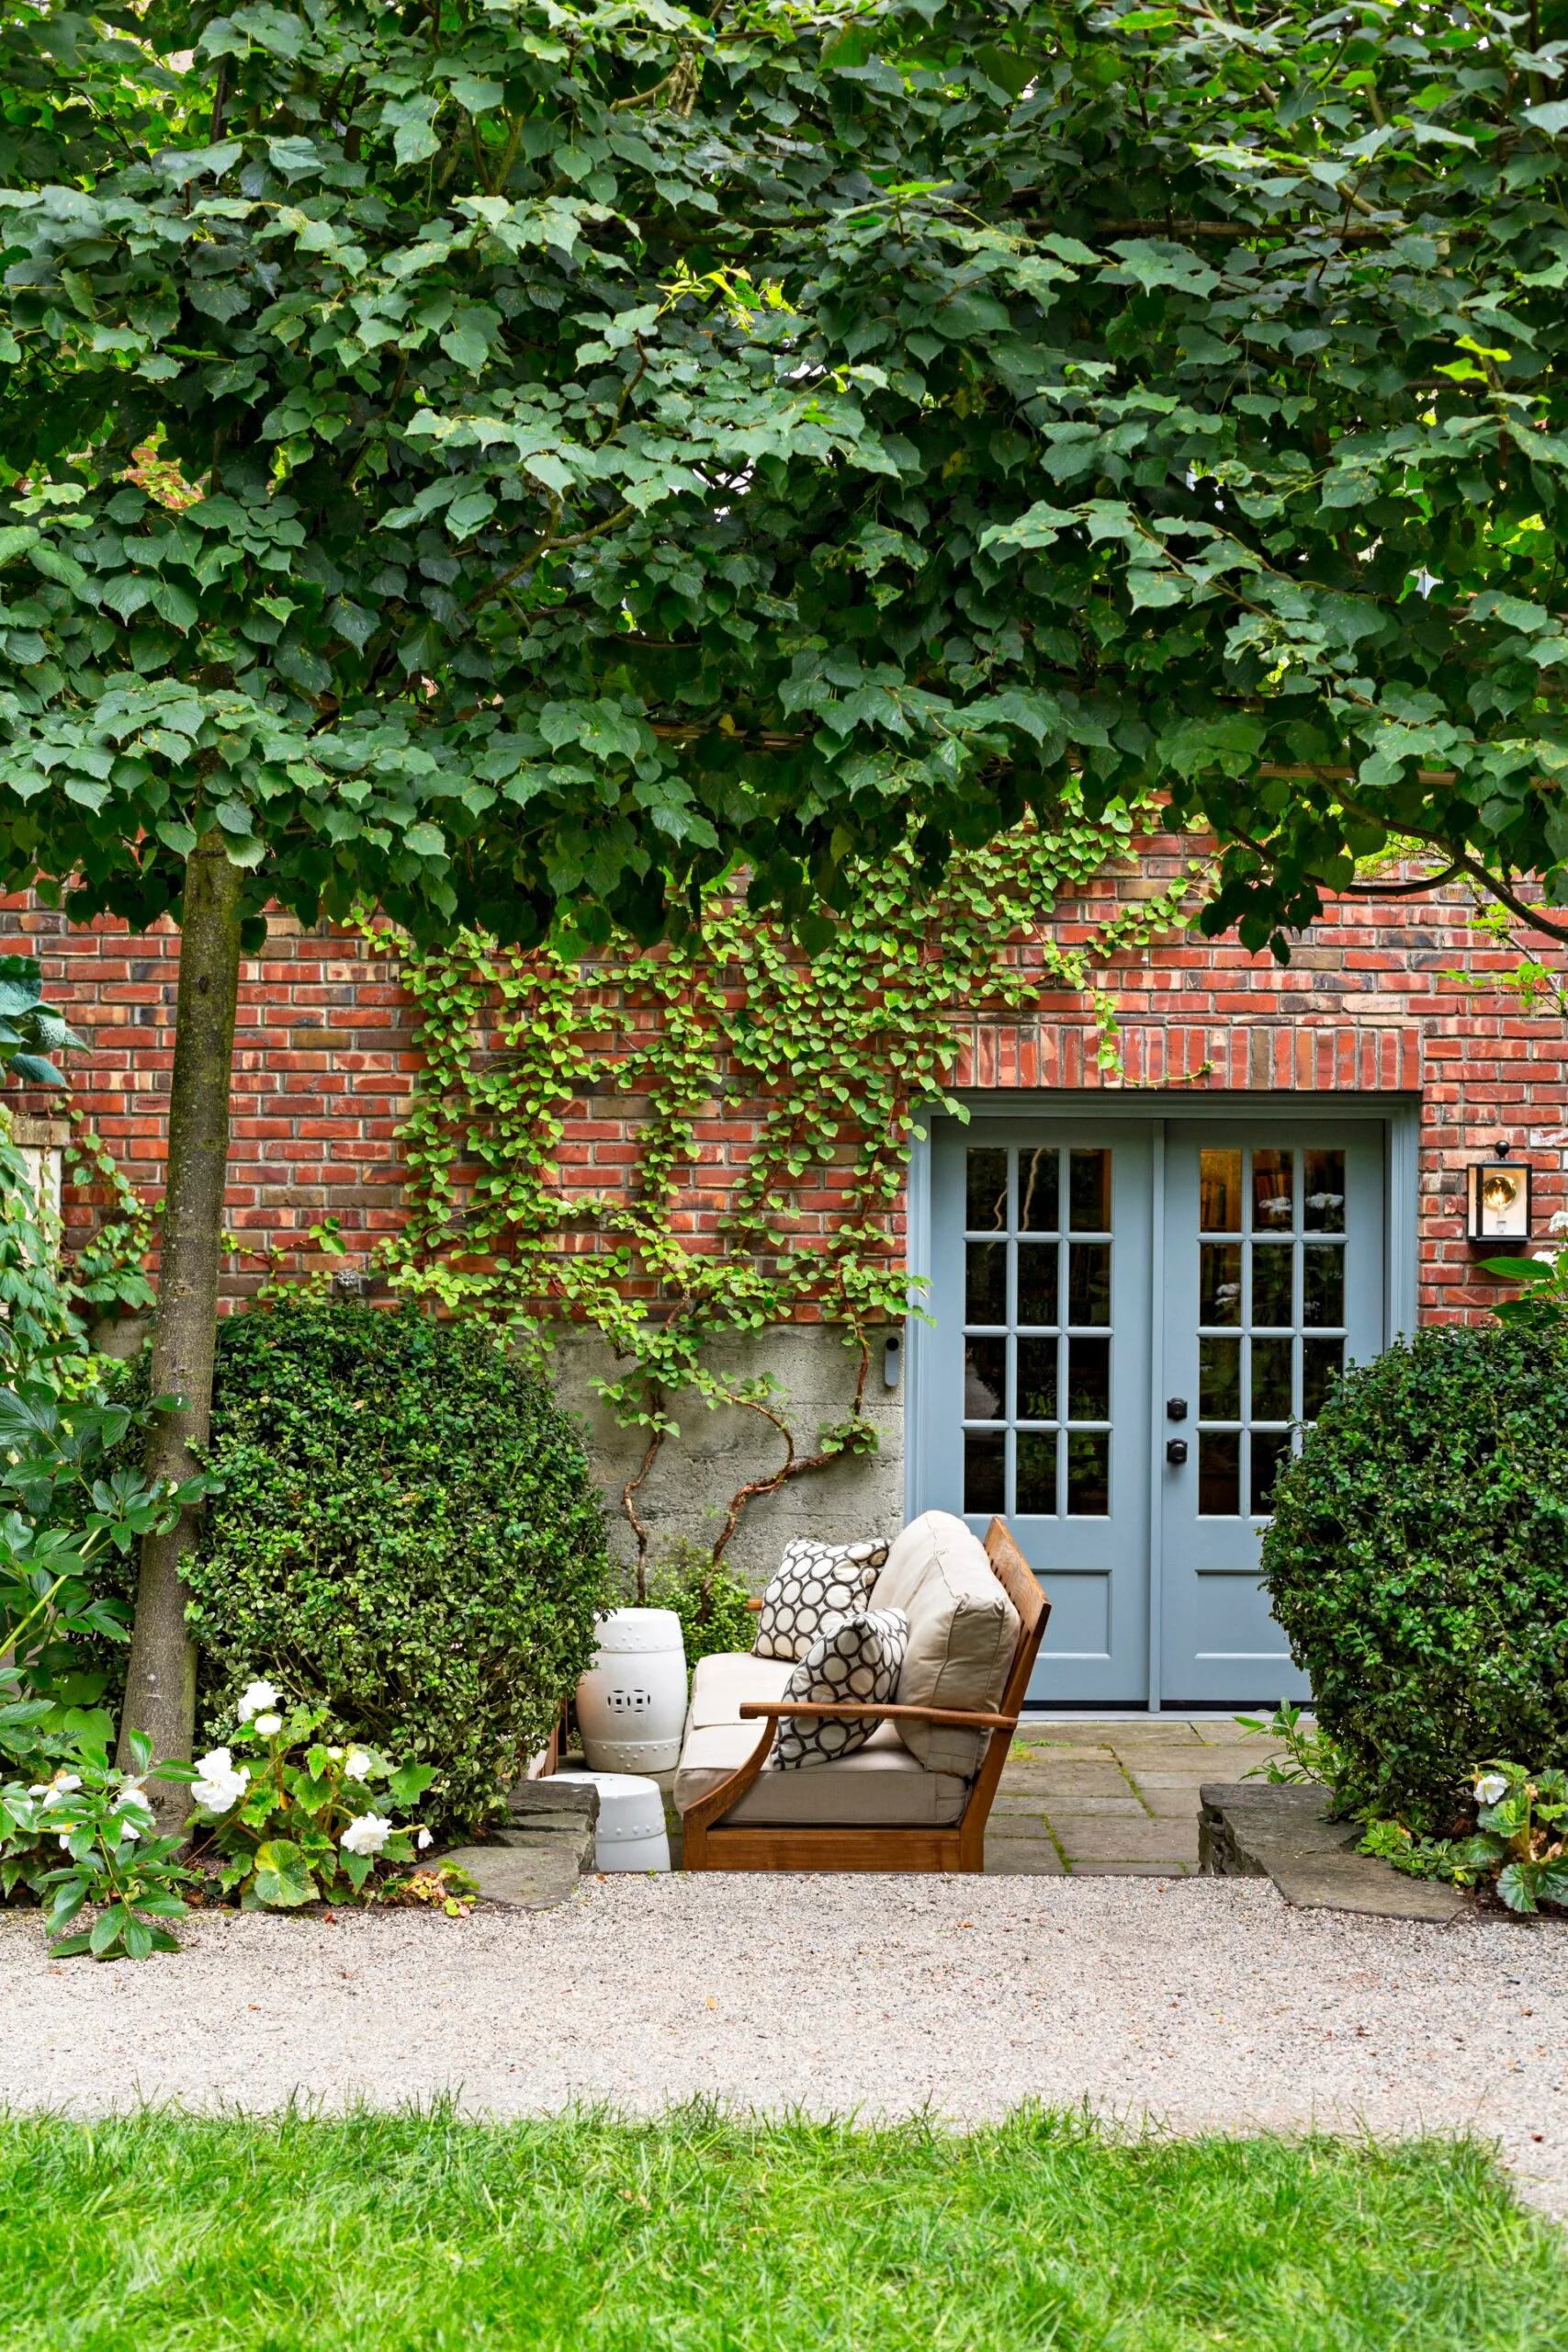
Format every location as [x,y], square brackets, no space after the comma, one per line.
[631,1834]
[631,1703]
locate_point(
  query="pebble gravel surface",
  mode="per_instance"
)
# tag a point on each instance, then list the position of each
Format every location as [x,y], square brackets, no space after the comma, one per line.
[1198,2004]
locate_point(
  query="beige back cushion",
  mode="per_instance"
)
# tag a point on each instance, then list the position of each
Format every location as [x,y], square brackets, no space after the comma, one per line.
[963,1634]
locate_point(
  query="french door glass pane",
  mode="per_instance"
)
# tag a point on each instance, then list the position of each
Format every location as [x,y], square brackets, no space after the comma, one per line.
[1088,1192]
[1219,1379]
[1037,1380]
[1273,1285]
[1273,1191]
[1089,1281]
[985,1380]
[1219,1192]
[1037,1281]
[1269,1449]
[1219,1473]
[986,1282]
[1088,1473]
[1089,1380]
[1219,1283]
[1038,1190]
[1322,1271]
[1035,1478]
[1323,1203]
[985,1470]
[1322,1360]
[1271,1380]
[986,1192]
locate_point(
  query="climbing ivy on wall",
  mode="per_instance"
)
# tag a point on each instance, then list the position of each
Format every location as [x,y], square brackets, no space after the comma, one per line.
[822,1066]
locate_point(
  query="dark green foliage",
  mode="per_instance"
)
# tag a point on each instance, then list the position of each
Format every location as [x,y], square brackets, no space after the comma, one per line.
[407,1532]
[709,1602]
[1418,1561]
[637,442]
[30,1030]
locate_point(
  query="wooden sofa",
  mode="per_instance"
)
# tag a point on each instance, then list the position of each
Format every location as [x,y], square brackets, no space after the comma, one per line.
[951,1838]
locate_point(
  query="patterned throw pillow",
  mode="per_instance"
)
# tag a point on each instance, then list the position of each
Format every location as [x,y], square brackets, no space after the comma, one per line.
[814,1581]
[852,1657]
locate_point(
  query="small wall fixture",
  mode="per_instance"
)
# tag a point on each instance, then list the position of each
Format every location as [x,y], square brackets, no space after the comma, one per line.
[892,1362]
[1498,1197]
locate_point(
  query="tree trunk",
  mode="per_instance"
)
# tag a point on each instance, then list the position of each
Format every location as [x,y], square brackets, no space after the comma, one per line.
[160,1691]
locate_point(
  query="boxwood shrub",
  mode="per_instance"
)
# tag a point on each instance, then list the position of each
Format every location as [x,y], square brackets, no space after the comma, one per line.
[1418,1562]
[407,1531]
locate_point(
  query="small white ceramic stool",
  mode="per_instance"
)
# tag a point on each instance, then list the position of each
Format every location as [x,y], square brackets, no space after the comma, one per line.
[631,1834]
[631,1703]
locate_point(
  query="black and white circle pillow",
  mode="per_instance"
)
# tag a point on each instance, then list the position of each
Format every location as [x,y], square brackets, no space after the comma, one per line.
[857,1657]
[812,1583]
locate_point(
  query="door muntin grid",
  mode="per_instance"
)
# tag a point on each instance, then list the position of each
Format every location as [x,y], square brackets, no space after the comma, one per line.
[1271,1313]
[1037,1331]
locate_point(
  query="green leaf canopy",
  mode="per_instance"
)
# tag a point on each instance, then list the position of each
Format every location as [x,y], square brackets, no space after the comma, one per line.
[634,440]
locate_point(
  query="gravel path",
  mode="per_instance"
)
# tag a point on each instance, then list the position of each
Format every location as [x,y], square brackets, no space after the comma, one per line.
[1204,2004]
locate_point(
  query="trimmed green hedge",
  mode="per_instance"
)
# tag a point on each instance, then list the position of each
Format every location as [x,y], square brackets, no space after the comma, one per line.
[1418,1562]
[406,1530]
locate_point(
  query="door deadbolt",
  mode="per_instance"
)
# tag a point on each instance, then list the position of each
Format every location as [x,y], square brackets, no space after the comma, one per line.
[1176,1452]
[1176,1408]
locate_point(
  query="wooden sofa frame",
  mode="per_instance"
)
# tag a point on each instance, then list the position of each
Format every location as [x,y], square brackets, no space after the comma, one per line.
[710,1846]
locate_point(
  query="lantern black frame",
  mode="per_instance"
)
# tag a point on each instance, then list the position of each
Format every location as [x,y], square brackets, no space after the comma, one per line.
[1474,1172]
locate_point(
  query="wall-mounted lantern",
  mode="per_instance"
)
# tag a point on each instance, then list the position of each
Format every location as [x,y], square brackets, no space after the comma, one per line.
[1499,1197]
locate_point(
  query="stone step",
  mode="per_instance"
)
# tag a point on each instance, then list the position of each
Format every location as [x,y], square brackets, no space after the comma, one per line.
[1251,1829]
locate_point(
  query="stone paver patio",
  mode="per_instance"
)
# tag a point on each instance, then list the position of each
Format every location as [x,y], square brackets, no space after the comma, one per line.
[1100,1800]
[1113,1800]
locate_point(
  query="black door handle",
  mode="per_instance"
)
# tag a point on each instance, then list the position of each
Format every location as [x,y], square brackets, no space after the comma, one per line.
[1176,1452]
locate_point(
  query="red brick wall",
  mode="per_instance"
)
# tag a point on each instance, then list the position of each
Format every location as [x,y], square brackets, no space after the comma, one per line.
[325,1059]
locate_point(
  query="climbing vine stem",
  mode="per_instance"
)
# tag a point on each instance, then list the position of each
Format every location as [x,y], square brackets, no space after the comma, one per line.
[757,1106]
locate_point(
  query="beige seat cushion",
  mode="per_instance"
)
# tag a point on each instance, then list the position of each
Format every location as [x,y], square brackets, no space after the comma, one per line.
[880,1787]
[964,1634]
[720,1685]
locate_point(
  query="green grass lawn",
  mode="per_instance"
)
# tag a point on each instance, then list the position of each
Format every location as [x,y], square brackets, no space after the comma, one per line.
[713,2236]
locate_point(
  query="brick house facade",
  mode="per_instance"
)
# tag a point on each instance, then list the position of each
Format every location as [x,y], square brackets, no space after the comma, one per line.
[1367,1019]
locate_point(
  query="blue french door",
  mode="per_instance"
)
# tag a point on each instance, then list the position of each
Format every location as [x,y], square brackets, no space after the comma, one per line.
[1134,1321]
[1274,1282]
[1040,1294]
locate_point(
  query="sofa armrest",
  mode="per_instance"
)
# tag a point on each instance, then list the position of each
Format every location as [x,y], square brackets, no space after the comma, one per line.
[754,1710]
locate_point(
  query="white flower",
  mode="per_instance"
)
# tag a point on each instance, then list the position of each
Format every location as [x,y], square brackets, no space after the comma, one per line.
[367,1835]
[356,1765]
[59,1788]
[334,1755]
[1491,1789]
[424,1840]
[130,1832]
[39,1789]
[269,1725]
[133,1799]
[220,1783]
[254,1698]
[66,1841]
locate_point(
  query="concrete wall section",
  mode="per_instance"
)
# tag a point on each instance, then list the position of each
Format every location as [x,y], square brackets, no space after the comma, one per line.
[691,1483]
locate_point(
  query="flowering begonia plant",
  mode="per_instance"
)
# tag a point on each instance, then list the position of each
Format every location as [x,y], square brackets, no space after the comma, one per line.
[292,1821]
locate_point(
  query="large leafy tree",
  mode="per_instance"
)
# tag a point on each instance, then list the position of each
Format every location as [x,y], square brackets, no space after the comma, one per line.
[632,440]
